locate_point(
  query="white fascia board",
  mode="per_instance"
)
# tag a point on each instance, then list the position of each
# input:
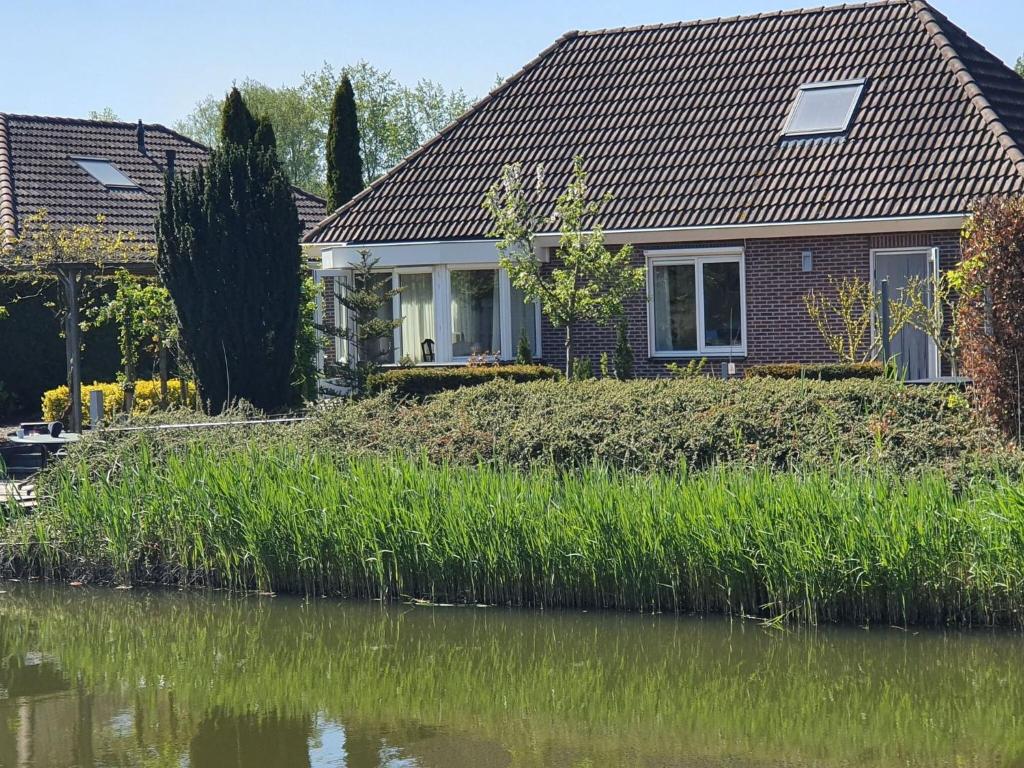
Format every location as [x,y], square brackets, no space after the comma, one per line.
[781,229]
[341,256]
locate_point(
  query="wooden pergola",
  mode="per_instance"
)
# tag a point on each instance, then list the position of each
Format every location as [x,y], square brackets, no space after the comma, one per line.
[70,274]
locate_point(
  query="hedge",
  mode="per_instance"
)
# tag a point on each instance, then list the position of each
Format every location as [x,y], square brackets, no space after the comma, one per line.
[821,372]
[422,381]
[56,402]
[694,423]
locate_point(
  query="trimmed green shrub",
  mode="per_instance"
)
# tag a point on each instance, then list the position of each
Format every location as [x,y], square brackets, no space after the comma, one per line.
[56,406]
[641,426]
[698,423]
[423,382]
[819,371]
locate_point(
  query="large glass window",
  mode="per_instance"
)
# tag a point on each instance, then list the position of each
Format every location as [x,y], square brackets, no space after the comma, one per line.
[722,326]
[524,320]
[450,313]
[475,312]
[416,308]
[675,308]
[697,304]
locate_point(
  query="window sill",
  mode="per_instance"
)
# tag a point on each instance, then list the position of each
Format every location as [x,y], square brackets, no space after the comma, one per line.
[670,356]
[450,364]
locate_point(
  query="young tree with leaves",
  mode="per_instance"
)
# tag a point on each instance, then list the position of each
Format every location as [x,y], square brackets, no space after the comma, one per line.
[588,282]
[369,330]
[72,256]
[228,252]
[623,362]
[143,313]
[843,317]
[305,372]
[344,163]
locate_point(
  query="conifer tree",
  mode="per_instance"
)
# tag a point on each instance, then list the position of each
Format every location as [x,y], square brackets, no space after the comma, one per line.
[228,252]
[369,332]
[237,124]
[344,161]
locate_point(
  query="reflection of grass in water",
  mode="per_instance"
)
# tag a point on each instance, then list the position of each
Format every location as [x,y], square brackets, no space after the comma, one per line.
[855,547]
[588,685]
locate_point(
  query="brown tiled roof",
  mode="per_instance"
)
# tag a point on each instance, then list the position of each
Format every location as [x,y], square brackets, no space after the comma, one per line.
[682,123]
[37,172]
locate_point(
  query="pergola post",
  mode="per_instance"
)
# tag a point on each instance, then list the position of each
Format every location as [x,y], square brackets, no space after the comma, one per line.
[69,277]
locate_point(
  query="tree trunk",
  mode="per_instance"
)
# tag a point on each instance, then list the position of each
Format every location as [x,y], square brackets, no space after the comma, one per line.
[163,376]
[568,352]
[74,349]
[129,389]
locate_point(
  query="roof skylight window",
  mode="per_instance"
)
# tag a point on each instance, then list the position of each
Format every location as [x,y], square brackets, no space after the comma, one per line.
[823,108]
[105,173]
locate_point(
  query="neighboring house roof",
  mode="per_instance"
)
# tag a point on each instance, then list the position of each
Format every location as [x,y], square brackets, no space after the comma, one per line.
[682,123]
[38,171]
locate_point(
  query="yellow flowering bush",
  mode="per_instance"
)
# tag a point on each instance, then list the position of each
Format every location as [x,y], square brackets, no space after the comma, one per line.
[147,398]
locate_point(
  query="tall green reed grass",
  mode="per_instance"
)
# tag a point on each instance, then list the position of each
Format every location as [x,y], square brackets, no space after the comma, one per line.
[815,546]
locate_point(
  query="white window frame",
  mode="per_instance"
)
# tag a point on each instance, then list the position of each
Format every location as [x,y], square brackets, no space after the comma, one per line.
[128,183]
[504,311]
[396,309]
[441,275]
[824,86]
[697,257]
[510,344]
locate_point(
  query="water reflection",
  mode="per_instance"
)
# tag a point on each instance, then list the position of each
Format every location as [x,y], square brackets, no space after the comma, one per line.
[101,678]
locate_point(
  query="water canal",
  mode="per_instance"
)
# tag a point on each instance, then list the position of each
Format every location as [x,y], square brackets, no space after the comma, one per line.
[98,677]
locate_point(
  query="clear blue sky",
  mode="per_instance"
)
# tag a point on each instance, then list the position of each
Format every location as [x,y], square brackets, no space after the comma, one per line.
[155,58]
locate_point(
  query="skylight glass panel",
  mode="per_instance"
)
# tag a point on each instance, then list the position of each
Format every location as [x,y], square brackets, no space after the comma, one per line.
[105,173]
[823,108]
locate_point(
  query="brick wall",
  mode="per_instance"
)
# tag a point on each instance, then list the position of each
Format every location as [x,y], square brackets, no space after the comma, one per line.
[778,328]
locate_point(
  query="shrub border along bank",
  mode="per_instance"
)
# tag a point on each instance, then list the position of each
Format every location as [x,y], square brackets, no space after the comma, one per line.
[662,425]
[56,402]
[566,494]
[421,382]
[821,372]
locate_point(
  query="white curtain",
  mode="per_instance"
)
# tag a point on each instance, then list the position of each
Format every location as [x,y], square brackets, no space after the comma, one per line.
[662,310]
[417,306]
[476,312]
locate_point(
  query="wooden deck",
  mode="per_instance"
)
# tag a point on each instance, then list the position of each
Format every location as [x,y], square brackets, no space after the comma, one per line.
[23,493]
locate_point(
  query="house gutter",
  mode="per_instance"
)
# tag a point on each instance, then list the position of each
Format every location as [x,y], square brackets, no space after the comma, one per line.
[775,229]
[939,222]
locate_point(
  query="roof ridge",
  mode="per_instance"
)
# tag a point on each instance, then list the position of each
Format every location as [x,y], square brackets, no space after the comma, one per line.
[57,120]
[383,179]
[739,18]
[8,229]
[927,16]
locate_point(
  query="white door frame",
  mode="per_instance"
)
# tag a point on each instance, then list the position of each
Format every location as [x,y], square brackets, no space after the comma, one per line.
[932,255]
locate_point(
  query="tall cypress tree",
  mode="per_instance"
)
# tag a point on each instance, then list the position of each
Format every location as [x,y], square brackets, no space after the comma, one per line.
[237,124]
[344,162]
[228,252]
